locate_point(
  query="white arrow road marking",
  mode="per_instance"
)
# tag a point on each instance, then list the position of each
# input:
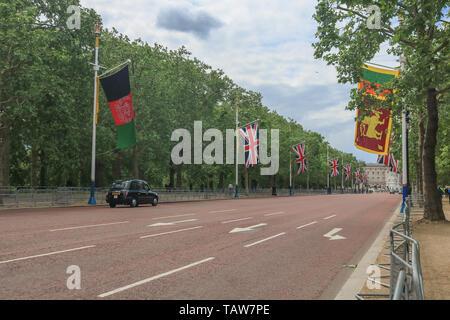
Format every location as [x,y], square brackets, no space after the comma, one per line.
[329,217]
[308,224]
[154,278]
[252,244]
[332,236]
[169,223]
[248,228]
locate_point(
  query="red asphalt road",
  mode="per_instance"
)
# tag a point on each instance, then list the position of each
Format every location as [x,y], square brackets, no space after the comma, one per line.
[206,260]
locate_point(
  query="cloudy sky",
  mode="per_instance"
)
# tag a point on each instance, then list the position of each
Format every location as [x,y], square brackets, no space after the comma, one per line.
[262,45]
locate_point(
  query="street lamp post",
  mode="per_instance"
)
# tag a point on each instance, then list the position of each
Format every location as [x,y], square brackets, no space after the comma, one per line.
[94,116]
[236,195]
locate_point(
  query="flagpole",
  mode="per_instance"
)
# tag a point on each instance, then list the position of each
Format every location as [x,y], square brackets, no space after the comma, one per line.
[342,174]
[290,174]
[351,180]
[94,127]
[404,148]
[236,195]
[328,174]
[290,167]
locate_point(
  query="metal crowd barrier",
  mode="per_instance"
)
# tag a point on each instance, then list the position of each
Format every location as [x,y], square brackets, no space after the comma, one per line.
[42,197]
[405,272]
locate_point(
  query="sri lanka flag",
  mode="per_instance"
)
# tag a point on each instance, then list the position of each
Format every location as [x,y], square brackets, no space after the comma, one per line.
[118,93]
[372,132]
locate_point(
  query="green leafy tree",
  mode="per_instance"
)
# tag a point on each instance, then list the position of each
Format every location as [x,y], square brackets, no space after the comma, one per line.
[422,37]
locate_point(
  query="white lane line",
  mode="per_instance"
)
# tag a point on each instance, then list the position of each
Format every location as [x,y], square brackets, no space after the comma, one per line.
[160,234]
[308,224]
[329,217]
[228,210]
[274,213]
[257,242]
[47,254]
[89,226]
[181,215]
[229,221]
[159,224]
[153,278]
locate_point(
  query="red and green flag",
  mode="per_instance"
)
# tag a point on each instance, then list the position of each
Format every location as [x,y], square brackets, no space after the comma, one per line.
[118,93]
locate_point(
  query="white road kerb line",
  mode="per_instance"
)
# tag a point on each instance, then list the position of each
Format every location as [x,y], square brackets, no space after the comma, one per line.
[181,215]
[329,217]
[308,224]
[160,234]
[222,211]
[153,278]
[274,213]
[47,254]
[229,221]
[257,242]
[90,226]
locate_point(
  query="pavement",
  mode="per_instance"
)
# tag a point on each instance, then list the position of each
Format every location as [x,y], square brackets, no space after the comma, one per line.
[267,248]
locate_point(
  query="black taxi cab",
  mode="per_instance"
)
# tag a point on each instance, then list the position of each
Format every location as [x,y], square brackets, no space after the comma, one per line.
[131,192]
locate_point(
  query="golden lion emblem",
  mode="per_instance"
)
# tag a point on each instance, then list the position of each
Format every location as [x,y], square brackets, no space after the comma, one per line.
[368,126]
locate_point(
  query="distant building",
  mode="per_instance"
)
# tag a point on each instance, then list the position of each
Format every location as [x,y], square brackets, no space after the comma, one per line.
[380,176]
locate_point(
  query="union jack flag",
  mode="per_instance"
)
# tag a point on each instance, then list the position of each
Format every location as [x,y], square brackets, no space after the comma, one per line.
[334,163]
[348,172]
[386,159]
[357,176]
[393,164]
[383,160]
[300,157]
[364,178]
[250,137]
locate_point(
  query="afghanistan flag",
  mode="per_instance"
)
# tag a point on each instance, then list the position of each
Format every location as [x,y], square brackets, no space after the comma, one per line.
[118,94]
[373,131]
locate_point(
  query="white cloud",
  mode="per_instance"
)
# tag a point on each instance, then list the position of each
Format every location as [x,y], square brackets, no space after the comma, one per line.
[263,45]
[330,116]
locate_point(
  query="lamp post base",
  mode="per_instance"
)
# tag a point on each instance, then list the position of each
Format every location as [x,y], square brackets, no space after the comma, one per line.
[92,198]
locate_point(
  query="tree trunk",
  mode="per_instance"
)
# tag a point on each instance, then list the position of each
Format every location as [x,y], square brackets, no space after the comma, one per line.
[246,180]
[179,176]
[135,163]
[433,204]
[5,144]
[117,169]
[34,166]
[5,132]
[307,180]
[221,177]
[421,138]
[43,173]
[171,174]
[100,174]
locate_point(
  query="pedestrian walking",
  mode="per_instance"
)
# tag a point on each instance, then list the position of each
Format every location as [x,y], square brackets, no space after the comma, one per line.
[439,190]
[447,192]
